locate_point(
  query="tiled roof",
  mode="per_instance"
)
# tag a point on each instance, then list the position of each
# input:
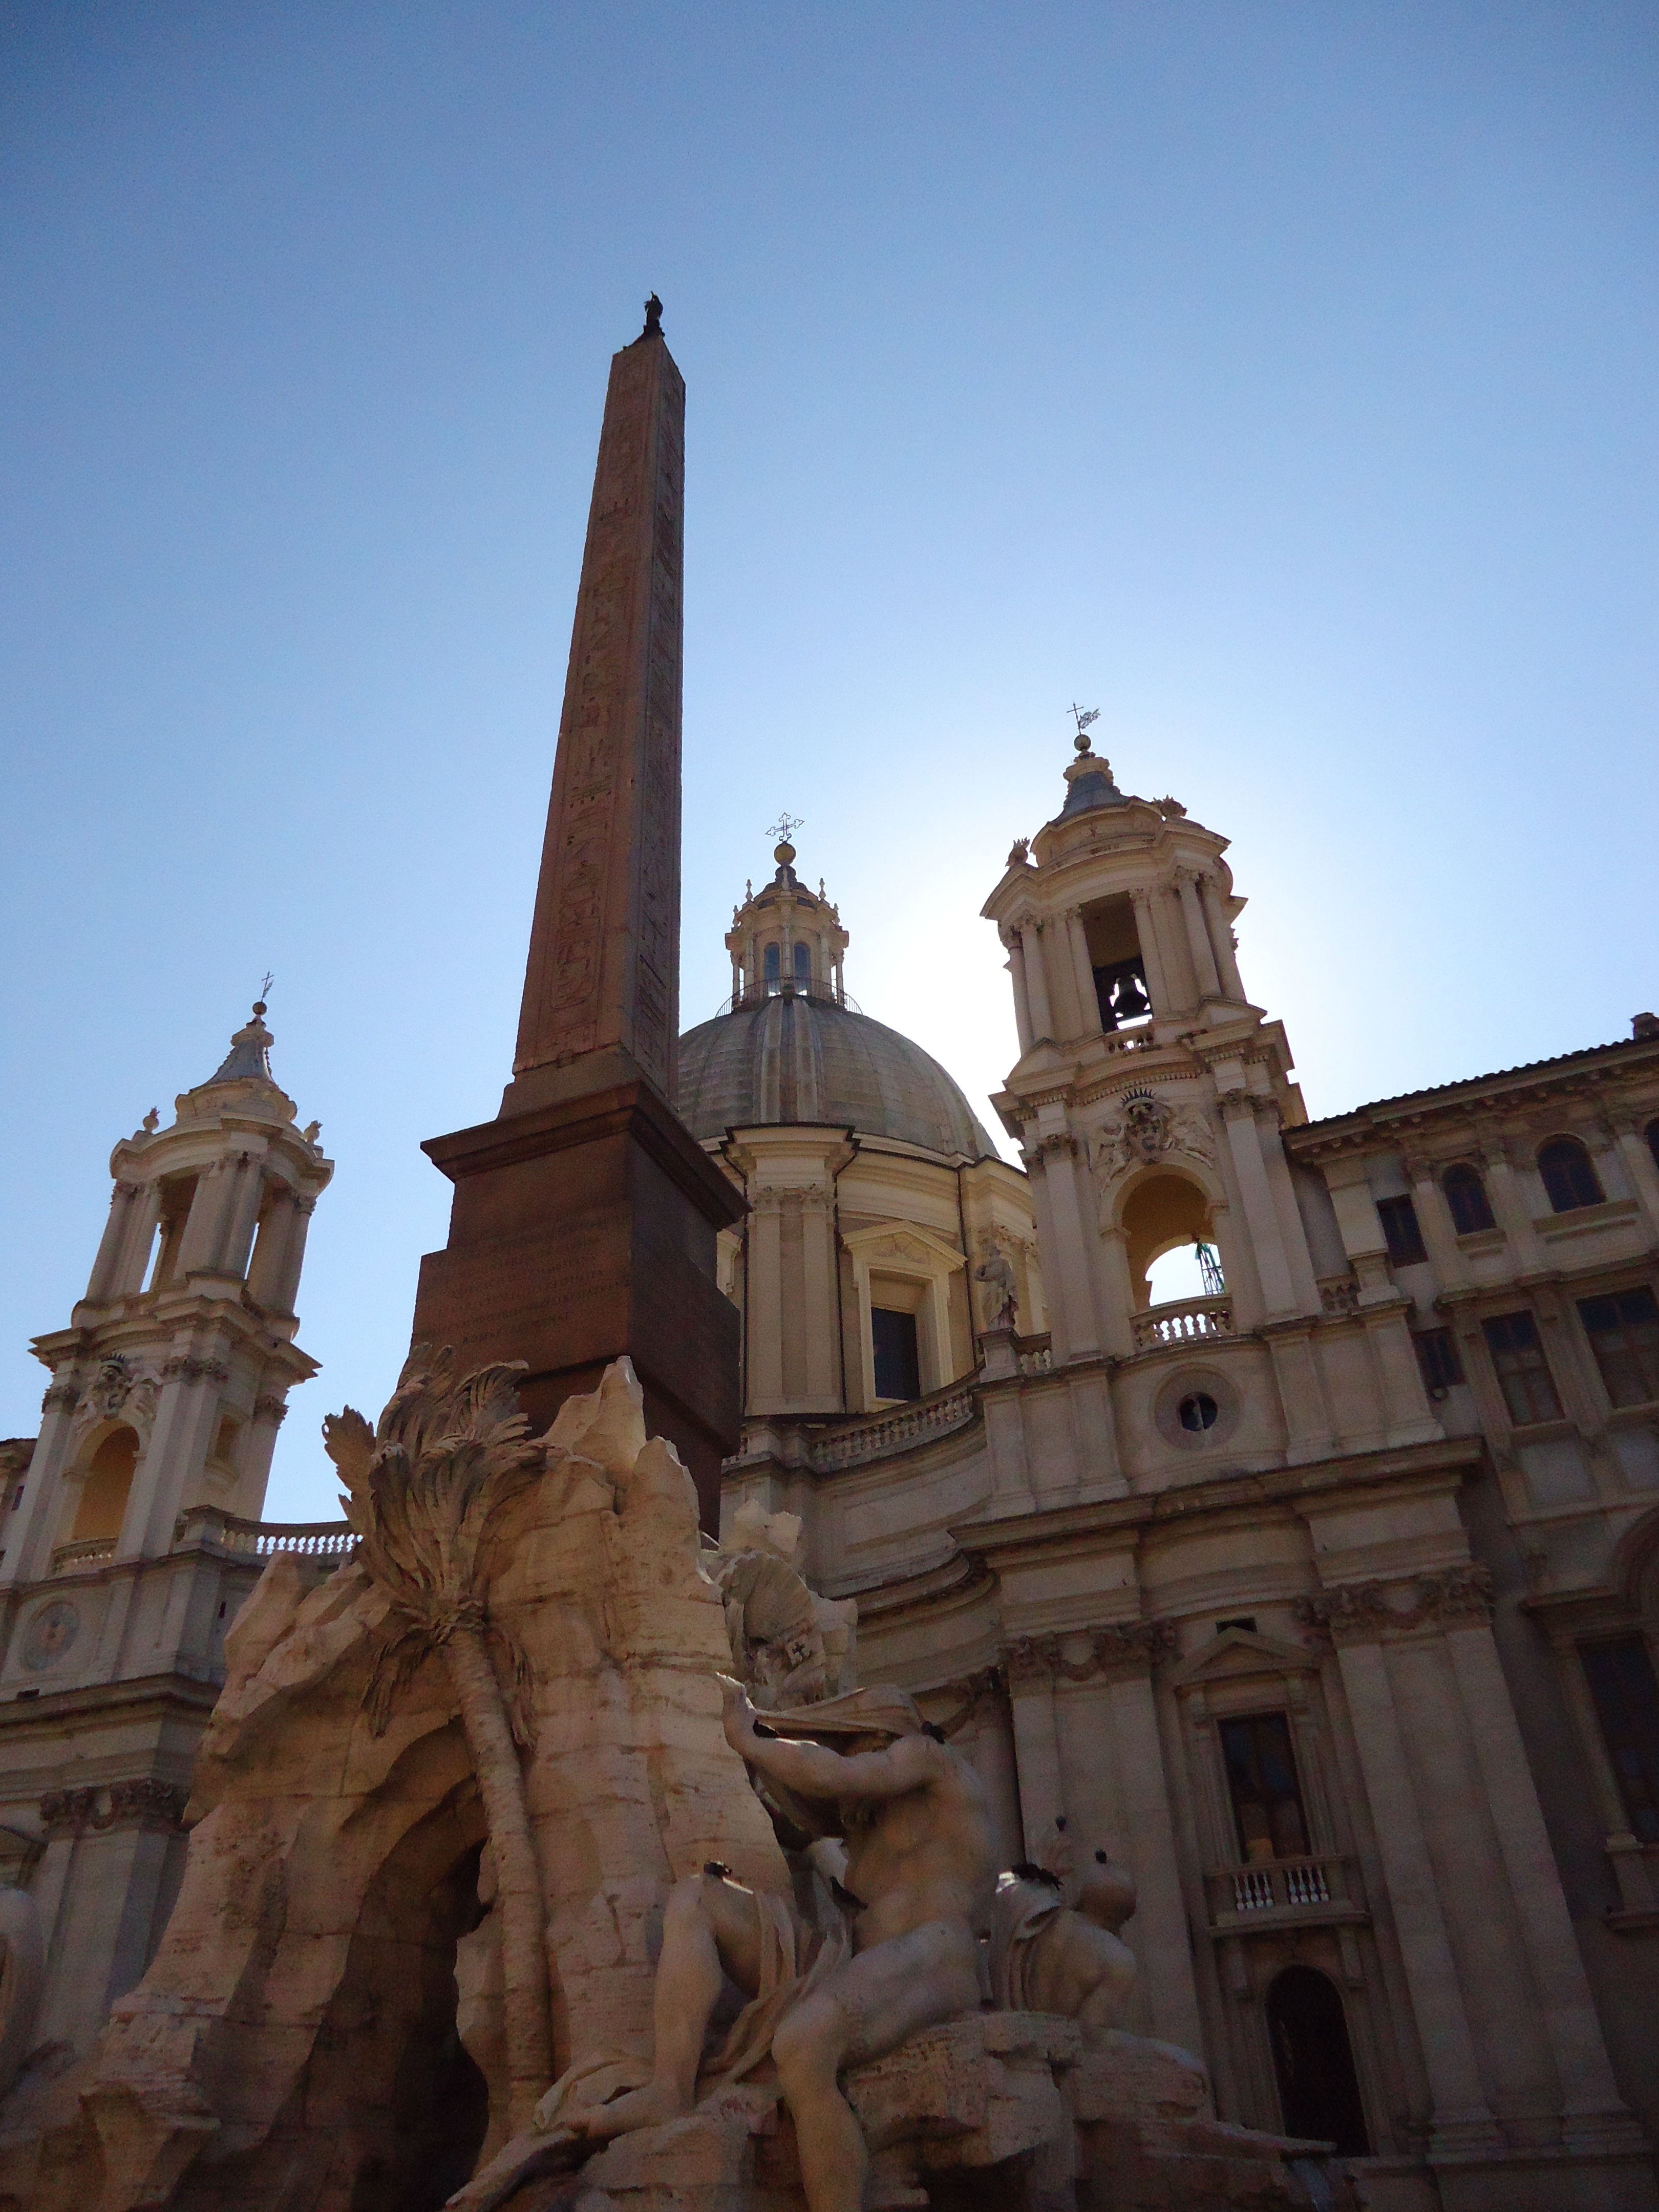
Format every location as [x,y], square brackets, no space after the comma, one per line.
[1446,1090]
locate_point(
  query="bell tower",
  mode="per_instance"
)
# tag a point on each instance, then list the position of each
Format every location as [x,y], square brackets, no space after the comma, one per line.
[1149,1098]
[170,1380]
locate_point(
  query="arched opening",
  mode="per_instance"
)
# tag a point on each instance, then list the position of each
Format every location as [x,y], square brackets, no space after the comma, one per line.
[1466,1197]
[772,964]
[1318,2089]
[1570,1178]
[803,965]
[1165,1220]
[104,1492]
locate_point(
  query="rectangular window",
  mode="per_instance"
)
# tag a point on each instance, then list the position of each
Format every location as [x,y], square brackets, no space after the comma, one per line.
[1623,1333]
[898,1370]
[1436,1355]
[1523,1373]
[1262,1779]
[1400,1227]
[1626,1697]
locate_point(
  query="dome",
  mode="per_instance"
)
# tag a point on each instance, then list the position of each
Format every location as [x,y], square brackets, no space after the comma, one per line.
[791,1058]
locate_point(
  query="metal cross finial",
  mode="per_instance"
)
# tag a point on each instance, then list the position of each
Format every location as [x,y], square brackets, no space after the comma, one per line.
[785,827]
[1083,716]
[264,987]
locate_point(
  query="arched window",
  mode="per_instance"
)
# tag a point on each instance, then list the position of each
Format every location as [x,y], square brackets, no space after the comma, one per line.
[1569,1178]
[803,966]
[1318,2089]
[104,1493]
[773,967]
[1466,1195]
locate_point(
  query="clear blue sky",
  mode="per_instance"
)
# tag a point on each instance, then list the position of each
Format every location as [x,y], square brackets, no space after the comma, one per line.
[1278,378]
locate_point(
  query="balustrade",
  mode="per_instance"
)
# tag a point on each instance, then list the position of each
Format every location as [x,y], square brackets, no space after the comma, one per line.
[1183,1321]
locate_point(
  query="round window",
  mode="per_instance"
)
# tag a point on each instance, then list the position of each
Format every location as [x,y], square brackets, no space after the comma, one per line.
[1198,1410]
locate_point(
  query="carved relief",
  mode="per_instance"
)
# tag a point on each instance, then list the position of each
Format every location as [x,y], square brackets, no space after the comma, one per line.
[145,1802]
[120,1388]
[1120,1647]
[1142,1128]
[1364,1612]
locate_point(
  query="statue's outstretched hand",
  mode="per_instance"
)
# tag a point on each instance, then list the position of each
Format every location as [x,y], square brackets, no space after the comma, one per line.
[740,1714]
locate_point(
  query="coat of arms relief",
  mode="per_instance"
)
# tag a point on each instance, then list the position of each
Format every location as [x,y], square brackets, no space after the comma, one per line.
[1141,1127]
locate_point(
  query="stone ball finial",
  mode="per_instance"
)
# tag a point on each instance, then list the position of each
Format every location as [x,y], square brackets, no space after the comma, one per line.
[784,853]
[259,1010]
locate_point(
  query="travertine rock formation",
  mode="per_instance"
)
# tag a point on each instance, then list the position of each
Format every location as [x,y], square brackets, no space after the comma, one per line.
[291,2043]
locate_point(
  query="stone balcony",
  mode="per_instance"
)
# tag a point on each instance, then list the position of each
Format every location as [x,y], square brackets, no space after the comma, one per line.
[1319,1890]
[1183,1321]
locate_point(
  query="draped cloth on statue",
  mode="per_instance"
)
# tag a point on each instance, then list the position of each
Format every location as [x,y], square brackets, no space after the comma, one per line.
[1019,1913]
[796,1959]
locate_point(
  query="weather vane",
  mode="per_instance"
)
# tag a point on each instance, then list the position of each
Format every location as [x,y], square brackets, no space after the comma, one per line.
[264,991]
[1083,716]
[785,827]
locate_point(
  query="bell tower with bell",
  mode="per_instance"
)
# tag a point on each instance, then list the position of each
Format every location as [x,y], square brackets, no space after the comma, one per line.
[170,1380]
[1149,1098]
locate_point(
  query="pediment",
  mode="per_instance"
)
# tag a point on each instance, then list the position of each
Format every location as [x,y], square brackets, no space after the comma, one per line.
[1237,1653]
[902,1241]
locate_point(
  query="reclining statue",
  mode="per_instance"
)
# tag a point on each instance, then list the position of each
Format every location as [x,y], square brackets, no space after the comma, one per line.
[920,1871]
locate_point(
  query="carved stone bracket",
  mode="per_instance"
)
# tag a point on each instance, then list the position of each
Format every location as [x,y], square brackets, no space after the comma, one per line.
[1365,1613]
[66,1394]
[143,1802]
[271,1409]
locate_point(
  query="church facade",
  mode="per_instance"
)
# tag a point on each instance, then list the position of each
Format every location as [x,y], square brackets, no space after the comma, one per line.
[1327,1600]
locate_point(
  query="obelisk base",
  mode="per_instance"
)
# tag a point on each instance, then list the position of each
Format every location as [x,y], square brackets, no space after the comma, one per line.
[583,1228]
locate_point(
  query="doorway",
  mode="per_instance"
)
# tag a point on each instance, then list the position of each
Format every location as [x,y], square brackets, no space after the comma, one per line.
[1313,2058]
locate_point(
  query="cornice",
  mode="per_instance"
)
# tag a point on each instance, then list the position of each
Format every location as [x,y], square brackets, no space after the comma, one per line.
[1592,1075]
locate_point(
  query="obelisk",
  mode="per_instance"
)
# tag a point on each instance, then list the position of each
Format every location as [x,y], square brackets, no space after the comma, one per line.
[584,1220]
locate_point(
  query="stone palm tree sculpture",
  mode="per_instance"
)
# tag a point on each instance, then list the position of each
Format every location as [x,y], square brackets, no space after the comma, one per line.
[423,1491]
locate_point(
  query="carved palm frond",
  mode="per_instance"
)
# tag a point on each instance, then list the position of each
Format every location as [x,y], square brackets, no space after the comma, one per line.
[421,1491]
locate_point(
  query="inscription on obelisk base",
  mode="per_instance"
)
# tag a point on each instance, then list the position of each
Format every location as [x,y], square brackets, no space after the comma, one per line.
[585,1216]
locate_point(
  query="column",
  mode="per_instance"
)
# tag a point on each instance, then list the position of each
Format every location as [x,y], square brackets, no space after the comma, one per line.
[1171,932]
[1162,1943]
[1461,2118]
[1510,1208]
[1058,1156]
[242,1216]
[1260,1219]
[736,981]
[766,1300]
[818,1264]
[134,1256]
[269,1413]
[1640,1169]
[101,1282]
[1434,1218]
[1036,980]
[1088,998]
[294,1254]
[1016,946]
[1198,938]
[214,1194]
[1587,2091]
[270,1250]
[1037,1747]
[1221,940]
[1151,953]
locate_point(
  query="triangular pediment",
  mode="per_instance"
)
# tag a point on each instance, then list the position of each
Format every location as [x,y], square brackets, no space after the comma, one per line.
[902,1240]
[1237,1653]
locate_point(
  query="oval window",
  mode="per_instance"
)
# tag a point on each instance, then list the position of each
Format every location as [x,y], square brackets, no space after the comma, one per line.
[1198,1410]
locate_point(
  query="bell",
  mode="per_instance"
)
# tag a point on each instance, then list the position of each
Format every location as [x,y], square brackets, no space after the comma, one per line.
[1130,1001]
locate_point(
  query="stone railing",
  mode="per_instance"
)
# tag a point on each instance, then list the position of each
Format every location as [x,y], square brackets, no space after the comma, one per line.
[1035,1354]
[919,1422]
[262,1539]
[1182,1321]
[76,1559]
[1274,1890]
